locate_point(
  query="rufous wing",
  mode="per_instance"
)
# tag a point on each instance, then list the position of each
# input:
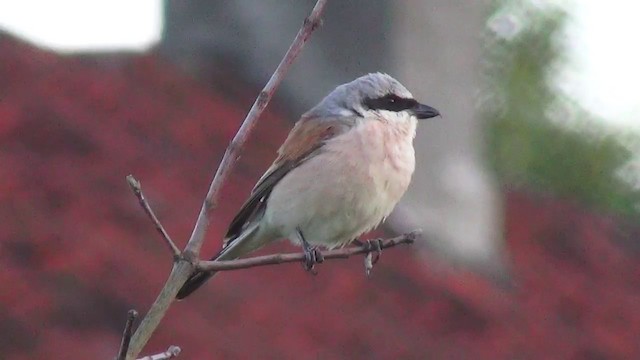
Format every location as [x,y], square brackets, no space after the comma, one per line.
[304,141]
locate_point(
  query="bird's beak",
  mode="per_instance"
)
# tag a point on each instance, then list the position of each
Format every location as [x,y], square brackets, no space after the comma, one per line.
[422,111]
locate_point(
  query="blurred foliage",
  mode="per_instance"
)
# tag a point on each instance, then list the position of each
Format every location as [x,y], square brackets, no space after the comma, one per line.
[538,137]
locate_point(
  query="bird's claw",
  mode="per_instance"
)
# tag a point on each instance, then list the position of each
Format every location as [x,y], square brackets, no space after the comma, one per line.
[374,245]
[369,259]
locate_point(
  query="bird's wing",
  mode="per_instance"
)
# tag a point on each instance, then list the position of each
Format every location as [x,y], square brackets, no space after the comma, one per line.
[305,139]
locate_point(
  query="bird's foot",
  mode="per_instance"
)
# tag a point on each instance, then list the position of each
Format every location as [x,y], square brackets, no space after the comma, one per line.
[371,245]
[312,256]
[369,259]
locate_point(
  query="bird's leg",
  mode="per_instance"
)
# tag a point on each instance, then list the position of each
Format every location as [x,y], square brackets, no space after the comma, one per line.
[312,255]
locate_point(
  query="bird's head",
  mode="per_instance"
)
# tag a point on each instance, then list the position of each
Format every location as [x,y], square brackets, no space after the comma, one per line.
[373,96]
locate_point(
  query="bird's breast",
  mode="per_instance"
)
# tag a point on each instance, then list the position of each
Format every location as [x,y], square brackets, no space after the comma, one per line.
[387,149]
[377,161]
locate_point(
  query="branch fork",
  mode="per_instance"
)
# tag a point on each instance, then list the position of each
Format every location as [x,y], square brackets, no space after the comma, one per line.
[172,352]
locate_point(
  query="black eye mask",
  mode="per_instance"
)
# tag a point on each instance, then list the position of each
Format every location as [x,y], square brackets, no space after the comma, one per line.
[390,102]
[395,103]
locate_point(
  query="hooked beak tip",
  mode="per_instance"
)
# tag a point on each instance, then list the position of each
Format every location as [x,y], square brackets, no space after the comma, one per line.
[422,111]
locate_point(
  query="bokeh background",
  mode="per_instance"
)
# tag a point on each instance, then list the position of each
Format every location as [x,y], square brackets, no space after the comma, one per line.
[527,189]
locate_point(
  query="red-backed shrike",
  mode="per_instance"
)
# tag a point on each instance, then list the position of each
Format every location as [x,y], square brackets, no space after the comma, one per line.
[344,166]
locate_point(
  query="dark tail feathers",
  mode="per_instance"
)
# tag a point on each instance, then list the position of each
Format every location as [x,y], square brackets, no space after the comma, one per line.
[193,283]
[240,246]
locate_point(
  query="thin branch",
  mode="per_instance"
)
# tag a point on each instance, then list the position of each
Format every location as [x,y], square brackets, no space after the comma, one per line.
[172,352]
[136,187]
[311,23]
[275,259]
[126,334]
[185,263]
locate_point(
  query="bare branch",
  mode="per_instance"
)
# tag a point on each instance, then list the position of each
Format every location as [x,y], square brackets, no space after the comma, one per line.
[229,159]
[172,352]
[136,187]
[275,259]
[184,264]
[126,334]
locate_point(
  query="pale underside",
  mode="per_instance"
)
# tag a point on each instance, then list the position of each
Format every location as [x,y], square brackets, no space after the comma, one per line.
[341,191]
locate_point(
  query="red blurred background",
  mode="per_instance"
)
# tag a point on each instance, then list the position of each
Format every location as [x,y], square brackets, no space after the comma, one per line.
[77,251]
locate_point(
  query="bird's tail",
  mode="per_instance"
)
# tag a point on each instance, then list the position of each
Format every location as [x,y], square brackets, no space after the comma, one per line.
[240,246]
[194,282]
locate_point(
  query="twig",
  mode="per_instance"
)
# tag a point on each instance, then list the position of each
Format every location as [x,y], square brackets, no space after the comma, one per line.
[172,352]
[136,187]
[126,334]
[311,23]
[185,263]
[275,259]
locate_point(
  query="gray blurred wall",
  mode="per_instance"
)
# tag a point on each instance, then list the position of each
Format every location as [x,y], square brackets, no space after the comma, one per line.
[437,51]
[432,46]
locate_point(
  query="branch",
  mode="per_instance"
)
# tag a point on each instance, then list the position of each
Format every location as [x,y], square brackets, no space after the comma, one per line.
[172,352]
[275,259]
[136,187]
[185,262]
[311,23]
[126,334]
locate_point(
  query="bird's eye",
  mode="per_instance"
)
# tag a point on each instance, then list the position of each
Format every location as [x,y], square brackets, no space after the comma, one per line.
[391,100]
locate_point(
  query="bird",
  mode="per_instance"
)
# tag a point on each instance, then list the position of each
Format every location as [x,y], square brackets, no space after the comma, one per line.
[339,173]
